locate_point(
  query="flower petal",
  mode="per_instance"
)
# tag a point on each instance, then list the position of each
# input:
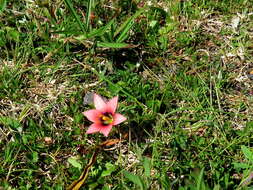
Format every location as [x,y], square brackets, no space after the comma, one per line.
[105,130]
[99,103]
[93,115]
[118,118]
[94,128]
[112,104]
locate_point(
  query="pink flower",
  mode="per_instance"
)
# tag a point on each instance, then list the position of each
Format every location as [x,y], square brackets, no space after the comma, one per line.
[104,116]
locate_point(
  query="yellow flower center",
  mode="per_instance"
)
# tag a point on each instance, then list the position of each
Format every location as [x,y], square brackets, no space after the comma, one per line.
[106,119]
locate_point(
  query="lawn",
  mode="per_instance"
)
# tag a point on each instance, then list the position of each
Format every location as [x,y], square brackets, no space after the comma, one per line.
[183,74]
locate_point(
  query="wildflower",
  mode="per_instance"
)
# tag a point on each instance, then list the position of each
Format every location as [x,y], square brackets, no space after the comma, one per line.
[104,116]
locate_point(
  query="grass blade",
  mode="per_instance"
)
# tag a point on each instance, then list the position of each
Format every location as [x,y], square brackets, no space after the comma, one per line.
[73,12]
[125,27]
[88,14]
[199,180]
[100,31]
[123,35]
[147,167]
[113,45]
[96,32]
[103,78]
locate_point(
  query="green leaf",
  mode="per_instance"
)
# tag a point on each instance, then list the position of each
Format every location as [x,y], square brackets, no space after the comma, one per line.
[147,168]
[2,5]
[73,161]
[247,153]
[8,121]
[24,139]
[35,157]
[73,12]
[153,23]
[109,169]
[217,187]
[106,187]
[249,124]
[238,165]
[12,34]
[134,178]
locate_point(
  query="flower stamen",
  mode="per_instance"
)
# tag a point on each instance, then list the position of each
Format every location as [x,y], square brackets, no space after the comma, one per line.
[106,119]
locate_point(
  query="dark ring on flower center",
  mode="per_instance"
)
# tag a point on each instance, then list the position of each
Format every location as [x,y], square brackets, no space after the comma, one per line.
[106,118]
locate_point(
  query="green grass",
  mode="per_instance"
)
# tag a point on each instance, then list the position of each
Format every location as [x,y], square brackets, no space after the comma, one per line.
[181,71]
